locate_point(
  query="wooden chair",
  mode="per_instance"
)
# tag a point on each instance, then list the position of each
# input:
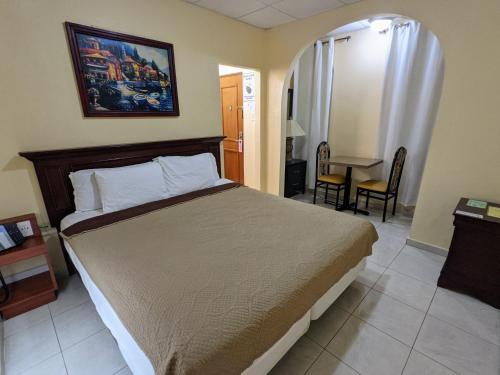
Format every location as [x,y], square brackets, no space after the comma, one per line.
[384,190]
[323,176]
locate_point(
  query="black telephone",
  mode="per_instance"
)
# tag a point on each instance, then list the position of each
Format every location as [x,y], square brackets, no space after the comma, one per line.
[14,233]
[10,236]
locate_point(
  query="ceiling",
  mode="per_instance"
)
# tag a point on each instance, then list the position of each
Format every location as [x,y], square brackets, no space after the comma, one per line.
[270,13]
[350,28]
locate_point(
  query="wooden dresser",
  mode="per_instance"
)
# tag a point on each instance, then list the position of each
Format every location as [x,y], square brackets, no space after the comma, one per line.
[473,263]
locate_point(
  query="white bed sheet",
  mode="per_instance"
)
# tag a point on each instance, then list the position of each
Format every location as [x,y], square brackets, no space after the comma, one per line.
[140,364]
[136,360]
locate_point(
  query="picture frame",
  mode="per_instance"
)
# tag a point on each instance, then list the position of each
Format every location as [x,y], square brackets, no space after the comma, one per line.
[120,75]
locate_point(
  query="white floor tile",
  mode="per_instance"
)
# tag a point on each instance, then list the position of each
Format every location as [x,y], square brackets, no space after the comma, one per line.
[456,349]
[327,364]
[394,230]
[419,364]
[468,314]
[77,324]
[370,274]
[391,316]
[322,330]
[26,320]
[97,354]
[386,249]
[368,350]
[399,219]
[298,359]
[375,219]
[52,366]
[408,290]
[71,293]
[420,264]
[351,297]
[30,347]
[124,371]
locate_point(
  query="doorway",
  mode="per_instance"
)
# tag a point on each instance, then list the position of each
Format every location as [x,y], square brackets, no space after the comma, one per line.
[231,98]
[240,120]
[386,82]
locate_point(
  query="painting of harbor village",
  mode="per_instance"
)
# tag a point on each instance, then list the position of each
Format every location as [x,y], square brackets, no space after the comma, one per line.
[121,75]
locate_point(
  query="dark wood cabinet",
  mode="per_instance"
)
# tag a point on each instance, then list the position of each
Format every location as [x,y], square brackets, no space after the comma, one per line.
[473,263]
[295,177]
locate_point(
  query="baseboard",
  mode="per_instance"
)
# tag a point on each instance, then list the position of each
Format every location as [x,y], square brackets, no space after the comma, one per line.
[428,247]
[24,274]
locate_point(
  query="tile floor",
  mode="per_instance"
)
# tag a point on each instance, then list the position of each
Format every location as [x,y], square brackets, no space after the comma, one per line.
[391,320]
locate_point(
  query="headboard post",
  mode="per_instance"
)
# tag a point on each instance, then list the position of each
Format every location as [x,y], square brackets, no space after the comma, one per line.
[53,167]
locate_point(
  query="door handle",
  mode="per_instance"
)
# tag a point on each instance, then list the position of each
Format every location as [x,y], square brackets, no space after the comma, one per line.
[240,142]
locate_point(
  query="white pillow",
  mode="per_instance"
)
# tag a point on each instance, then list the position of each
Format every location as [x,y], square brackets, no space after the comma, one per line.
[130,186]
[188,173]
[85,190]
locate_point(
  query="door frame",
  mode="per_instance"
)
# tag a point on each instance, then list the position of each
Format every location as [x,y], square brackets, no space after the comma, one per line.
[251,127]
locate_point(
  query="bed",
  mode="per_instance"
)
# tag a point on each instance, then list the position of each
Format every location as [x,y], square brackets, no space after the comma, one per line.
[285,277]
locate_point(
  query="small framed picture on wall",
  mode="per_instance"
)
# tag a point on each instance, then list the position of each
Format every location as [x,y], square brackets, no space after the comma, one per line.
[121,75]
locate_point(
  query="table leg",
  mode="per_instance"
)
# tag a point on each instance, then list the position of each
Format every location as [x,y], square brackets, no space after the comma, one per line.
[347,190]
[346,204]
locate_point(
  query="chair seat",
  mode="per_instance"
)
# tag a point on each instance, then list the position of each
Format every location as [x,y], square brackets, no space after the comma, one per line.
[336,179]
[374,185]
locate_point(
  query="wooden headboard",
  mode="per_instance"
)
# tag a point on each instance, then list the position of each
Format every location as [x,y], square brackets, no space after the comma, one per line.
[53,167]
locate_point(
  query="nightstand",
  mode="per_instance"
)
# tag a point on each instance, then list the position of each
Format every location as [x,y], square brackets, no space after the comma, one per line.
[295,177]
[32,292]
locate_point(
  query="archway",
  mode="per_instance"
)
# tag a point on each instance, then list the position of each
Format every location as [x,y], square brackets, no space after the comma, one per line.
[371,147]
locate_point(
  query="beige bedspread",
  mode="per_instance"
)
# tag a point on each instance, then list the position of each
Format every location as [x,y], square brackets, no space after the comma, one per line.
[211,281]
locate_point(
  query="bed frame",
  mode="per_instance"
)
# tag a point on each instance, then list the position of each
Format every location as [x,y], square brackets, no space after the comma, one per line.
[53,167]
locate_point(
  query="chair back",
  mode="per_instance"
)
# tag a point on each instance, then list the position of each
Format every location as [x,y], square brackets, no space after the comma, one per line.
[322,154]
[397,170]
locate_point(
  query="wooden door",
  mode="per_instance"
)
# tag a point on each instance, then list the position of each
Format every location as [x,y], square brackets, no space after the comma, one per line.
[231,93]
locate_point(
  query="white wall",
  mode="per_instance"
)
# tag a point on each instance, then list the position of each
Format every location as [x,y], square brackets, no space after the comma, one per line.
[251,123]
[359,69]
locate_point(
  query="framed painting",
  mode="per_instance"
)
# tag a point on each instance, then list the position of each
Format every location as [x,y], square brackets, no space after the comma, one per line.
[120,75]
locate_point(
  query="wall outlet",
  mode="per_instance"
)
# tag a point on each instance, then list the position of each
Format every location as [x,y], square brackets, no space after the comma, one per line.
[25,228]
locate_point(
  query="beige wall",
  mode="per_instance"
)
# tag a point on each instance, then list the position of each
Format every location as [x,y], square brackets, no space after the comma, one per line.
[464,153]
[356,101]
[357,96]
[39,104]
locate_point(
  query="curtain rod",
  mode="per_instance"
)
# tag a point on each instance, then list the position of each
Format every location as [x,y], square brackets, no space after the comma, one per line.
[344,39]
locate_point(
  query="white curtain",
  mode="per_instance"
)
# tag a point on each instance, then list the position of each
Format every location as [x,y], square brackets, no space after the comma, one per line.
[411,95]
[321,99]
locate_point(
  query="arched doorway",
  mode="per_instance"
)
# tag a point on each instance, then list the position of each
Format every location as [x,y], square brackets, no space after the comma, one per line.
[386,90]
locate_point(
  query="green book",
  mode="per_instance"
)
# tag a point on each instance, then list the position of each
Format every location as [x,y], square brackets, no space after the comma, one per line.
[476,203]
